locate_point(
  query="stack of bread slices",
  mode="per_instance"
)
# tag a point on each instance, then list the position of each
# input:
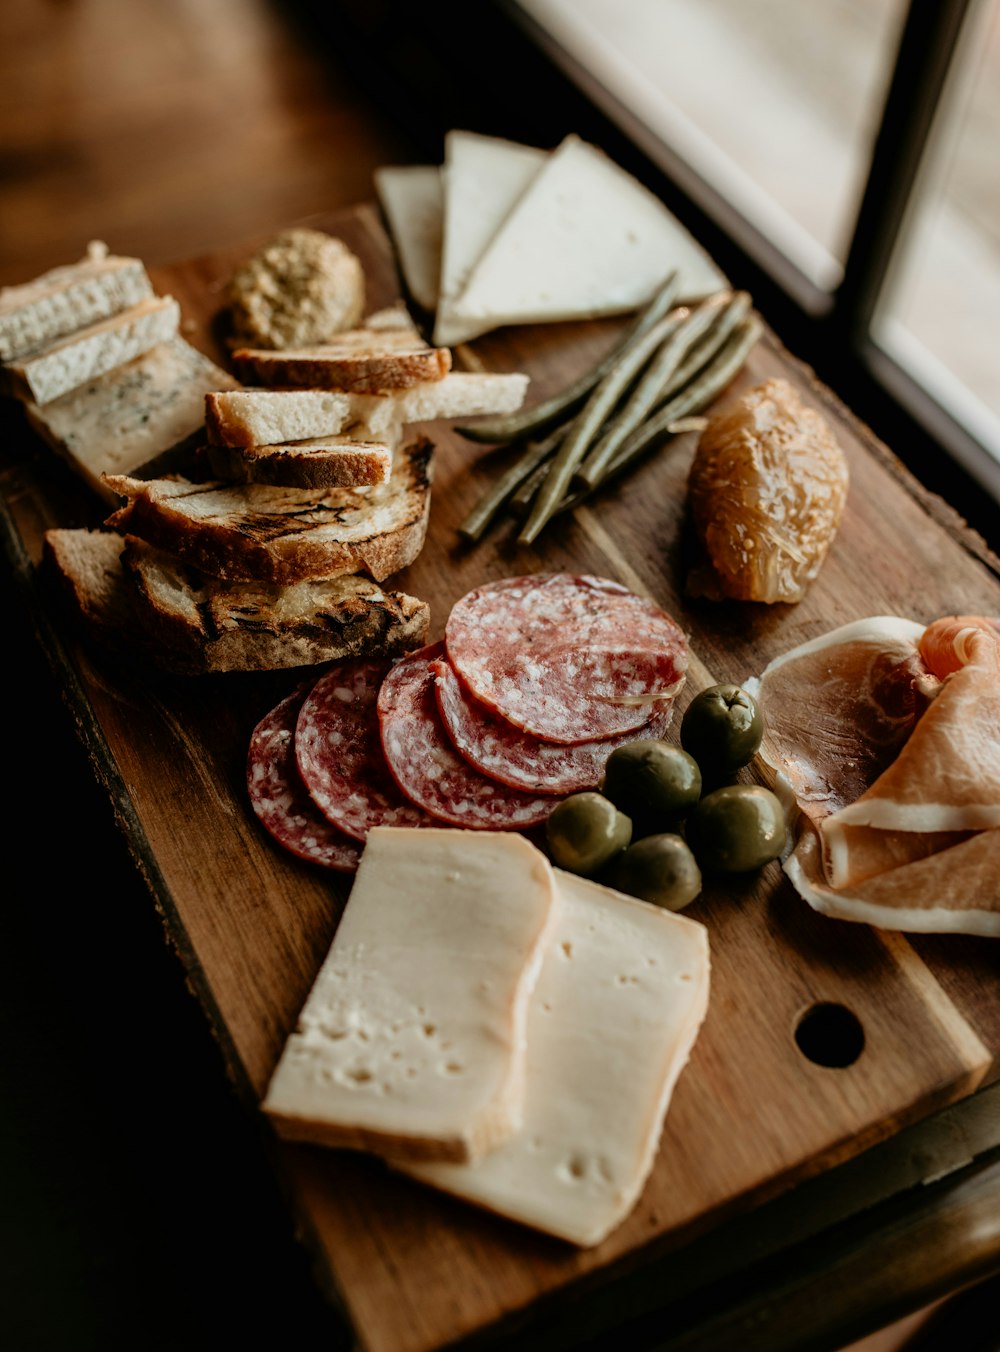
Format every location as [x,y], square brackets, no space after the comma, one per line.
[300,494]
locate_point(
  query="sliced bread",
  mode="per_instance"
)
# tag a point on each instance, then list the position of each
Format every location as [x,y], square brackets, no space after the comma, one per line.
[284,535]
[270,417]
[39,313]
[412,202]
[133,415]
[72,361]
[329,462]
[363,361]
[143,603]
[412,1038]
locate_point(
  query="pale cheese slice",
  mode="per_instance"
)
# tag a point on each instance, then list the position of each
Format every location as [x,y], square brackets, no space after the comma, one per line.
[412,1039]
[484,177]
[617,1008]
[412,199]
[585,239]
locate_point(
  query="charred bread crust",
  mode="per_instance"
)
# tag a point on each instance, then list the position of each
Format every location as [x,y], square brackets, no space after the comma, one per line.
[284,535]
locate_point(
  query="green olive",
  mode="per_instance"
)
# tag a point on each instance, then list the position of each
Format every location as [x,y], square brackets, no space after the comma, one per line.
[660,869]
[652,781]
[585,831]
[722,728]
[736,828]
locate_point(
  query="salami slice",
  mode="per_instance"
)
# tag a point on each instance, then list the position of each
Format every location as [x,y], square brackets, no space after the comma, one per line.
[567,658]
[427,767]
[280,800]
[498,749]
[339,753]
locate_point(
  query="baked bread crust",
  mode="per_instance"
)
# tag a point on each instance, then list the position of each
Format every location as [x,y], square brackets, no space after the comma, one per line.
[363,361]
[330,462]
[284,535]
[142,603]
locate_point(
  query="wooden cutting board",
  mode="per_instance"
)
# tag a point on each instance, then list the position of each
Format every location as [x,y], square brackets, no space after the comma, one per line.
[752,1115]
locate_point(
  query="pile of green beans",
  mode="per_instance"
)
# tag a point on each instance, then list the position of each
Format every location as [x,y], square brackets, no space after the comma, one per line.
[669,366]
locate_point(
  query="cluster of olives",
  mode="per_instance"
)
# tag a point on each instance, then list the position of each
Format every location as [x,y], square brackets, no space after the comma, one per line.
[658,823]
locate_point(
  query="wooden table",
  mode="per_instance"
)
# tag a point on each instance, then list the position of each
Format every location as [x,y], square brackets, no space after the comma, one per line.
[753,1119]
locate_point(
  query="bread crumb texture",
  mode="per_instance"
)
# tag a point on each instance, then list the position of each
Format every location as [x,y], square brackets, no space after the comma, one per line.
[302,287]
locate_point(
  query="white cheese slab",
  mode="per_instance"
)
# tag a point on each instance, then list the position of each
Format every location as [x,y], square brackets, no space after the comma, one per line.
[412,1039]
[412,199]
[484,177]
[585,239]
[616,1011]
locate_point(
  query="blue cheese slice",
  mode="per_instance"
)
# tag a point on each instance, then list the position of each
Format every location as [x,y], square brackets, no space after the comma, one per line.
[584,239]
[94,350]
[37,313]
[412,1039]
[127,417]
[616,1011]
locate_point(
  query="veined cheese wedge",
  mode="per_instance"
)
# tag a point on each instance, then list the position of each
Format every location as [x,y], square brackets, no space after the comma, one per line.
[412,1039]
[90,352]
[621,997]
[584,239]
[484,176]
[412,199]
[133,414]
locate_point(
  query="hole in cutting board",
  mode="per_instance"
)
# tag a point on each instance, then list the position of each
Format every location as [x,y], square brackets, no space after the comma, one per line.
[830,1035]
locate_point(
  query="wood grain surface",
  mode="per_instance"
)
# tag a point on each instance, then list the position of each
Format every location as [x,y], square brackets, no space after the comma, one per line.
[751,1116]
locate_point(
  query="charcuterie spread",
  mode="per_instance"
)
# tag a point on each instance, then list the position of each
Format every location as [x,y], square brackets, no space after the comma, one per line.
[502,783]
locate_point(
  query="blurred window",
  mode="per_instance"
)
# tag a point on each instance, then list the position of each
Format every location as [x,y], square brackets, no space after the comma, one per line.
[848,147]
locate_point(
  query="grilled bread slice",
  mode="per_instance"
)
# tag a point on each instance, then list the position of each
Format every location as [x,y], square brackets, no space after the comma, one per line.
[284,535]
[145,603]
[360,361]
[328,462]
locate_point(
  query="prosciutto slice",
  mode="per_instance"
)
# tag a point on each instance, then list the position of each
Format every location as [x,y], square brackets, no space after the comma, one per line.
[899,781]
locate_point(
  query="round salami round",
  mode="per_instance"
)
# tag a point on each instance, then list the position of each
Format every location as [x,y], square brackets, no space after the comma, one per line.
[279,797]
[519,759]
[339,754]
[427,767]
[568,658]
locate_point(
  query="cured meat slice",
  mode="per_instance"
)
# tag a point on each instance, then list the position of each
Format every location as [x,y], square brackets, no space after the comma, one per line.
[339,753]
[838,708]
[427,767]
[280,800]
[567,658]
[504,752]
[913,844]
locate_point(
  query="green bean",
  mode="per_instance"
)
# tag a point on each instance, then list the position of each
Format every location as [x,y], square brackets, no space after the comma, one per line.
[651,388]
[735,312]
[532,459]
[697,396]
[539,417]
[601,401]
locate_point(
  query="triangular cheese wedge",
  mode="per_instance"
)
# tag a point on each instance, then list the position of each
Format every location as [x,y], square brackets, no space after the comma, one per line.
[412,199]
[584,239]
[484,177]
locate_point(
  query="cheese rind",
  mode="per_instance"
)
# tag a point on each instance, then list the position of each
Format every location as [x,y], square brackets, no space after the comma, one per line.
[412,1039]
[614,1015]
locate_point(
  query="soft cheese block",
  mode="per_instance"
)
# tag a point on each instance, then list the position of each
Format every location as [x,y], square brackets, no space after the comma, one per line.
[617,1008]
[585,238]
[412,1039]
